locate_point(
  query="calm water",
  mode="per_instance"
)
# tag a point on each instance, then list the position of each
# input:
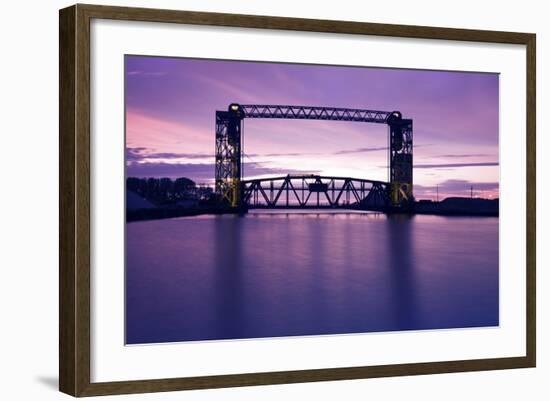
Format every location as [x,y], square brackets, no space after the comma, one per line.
[291,274]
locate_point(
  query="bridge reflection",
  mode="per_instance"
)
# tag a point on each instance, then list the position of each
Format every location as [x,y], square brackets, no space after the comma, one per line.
[315,191]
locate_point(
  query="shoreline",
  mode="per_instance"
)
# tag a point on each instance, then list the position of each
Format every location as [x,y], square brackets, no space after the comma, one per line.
[160,214]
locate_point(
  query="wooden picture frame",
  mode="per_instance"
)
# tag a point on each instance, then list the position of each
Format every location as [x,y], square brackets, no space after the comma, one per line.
[74,204]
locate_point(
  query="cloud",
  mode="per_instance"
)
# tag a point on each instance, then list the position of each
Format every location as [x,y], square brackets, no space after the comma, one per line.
[170,155]
[143,153]
[151,133]
[146,73]
[456,187]
[371,149]
[195,171]
[462,156]
[199,172]
[230,89]
[456,165]
[134,154]
[278,154]
[359,150]
[459,185]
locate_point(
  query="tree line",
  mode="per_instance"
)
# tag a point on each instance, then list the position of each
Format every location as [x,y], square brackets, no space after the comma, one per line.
[166,190]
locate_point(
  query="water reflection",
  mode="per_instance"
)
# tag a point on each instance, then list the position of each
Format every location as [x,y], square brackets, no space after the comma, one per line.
[402,270]
[289,274]
[228,289]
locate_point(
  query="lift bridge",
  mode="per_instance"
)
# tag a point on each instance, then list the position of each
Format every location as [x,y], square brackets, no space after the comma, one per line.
[310,190]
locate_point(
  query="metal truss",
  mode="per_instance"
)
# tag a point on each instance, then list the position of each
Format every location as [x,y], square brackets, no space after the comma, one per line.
[228,158]
[314,191]
[401,161]
[314,113]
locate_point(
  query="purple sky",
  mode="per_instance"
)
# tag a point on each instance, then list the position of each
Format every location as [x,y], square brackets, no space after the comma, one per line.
[170,106]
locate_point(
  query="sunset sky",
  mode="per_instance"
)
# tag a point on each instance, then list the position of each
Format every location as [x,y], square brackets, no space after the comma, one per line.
[171,103]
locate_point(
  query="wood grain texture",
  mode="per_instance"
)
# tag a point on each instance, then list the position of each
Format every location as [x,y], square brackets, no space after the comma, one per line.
[302,376]
[301,24]
[82,200]
[531,178]
[74,199]
[67,294]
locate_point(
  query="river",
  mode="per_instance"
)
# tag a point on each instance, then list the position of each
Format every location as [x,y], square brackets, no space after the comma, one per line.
[290,274]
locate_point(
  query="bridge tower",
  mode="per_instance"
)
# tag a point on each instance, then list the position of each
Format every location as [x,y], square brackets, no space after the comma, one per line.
[229,125]
[228,155]
[401,159]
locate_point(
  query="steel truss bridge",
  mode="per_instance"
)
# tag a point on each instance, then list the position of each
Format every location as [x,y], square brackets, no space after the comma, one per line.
[311,190]
[315,191]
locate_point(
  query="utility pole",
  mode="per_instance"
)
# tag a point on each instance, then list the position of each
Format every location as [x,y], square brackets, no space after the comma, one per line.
[471,192]
[437,193]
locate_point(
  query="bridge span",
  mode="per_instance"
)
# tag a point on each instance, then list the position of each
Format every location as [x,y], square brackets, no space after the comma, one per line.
[315,191]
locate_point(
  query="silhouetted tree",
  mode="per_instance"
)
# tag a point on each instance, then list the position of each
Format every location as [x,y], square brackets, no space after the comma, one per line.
[166,189]
[133,184]
[152,188]
[182,186]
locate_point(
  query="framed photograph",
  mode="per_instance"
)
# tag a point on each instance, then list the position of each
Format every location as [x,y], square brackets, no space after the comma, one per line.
[250,200]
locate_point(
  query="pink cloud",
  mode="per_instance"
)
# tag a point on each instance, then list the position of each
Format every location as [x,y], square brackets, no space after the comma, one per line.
[164,135]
